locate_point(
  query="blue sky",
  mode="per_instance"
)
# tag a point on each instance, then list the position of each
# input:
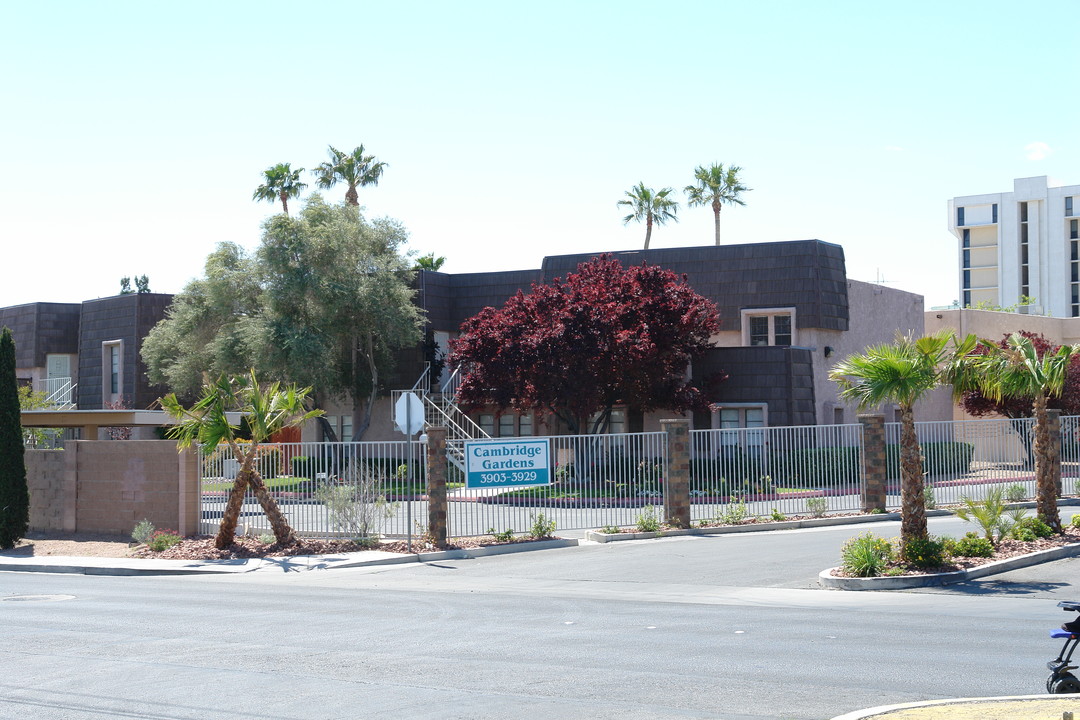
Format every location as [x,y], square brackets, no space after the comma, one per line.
[133,134]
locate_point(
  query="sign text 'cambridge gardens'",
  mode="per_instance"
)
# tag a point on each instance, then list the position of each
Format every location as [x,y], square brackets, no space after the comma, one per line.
[507,463]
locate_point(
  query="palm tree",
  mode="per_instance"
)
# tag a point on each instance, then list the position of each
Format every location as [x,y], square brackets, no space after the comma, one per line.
[716,186]
[900,373]
[651,206]
[428,262]
[266,410]
[1018,371]
[282,183]
[355,169]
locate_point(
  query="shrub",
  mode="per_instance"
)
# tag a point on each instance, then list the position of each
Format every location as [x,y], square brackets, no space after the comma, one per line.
[971,545]
[162,540]
[778,516]
[988,514]
[267,538]
[355,509]
[648,520]
[817,506]
[929,500]
[542,528]
[1075,522]
[1029,529]
[866,555]
[1015,493]
[143,532]
[923,552]
[505,536]
[610,530]
[735,513]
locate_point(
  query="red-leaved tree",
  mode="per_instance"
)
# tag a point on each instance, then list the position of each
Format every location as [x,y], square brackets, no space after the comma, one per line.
[979,405]
[607,335]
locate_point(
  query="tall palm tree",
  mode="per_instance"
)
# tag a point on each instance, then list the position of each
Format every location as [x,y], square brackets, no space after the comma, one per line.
[651,206]
[267,410]
[1017,371]
[355,169]
[716,187]
[429,262]
[281,183]
[900,373]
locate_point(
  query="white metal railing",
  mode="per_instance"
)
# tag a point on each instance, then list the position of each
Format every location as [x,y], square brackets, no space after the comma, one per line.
[598,480]
[340,489]
[753,472]
[966,458]
[59,392]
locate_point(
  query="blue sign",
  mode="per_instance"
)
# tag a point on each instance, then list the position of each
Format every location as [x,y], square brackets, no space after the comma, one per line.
[507,463]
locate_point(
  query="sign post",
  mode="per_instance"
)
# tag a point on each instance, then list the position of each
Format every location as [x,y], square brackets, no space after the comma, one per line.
[510,462]
[409,418]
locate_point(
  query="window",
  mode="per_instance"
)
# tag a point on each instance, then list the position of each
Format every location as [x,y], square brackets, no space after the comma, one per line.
[994,217]
[346,428]
[967,238]
[1074,229]
[959,217]
[616,421]
[525,425]
[1068,207]
[506,425]
[769,327]
[1025,286]
[741,427]
[112,371]
[838,416]
[487,424]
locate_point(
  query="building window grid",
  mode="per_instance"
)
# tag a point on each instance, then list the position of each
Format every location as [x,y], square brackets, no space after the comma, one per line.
[1025,286]
[1074,263]
[774,328]
[1068,207]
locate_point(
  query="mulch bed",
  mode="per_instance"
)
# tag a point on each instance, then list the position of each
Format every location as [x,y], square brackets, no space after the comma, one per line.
[202,548]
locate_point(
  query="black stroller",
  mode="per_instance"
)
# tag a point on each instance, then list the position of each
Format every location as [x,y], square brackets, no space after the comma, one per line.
[1061,680]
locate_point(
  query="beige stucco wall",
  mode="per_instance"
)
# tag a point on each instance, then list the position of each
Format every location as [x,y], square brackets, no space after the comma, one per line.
[108,487]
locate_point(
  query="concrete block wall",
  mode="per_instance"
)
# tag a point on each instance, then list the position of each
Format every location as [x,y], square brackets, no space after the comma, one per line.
[110,486]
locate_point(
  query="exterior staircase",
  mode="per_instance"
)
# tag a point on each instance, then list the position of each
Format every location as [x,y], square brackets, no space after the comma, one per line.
[59,392]
[441,410]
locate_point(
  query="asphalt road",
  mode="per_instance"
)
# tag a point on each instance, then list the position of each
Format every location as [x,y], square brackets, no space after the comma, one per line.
[727,626]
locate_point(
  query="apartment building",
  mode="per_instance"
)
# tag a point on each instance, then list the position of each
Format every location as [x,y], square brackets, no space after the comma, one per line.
[1020,244]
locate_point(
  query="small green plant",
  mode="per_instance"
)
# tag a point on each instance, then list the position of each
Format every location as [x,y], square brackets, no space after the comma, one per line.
[929,500]
[542,528]
[505,536]
[267,538]
[1075,522]
[988,514]
[610,530]
[923,552]
[971,545]
[734,514]
[648,520]
[778,516]
[1028,529]
[817,506]
[866,555]
[877,511]
[163,540]
[1015,493]
[402,472]
[143,532]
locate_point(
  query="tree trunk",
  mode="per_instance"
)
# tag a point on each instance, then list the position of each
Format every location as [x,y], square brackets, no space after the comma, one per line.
[912,501]
[1045,487]
[285,203]
[648,231]
[351,197]
[231,516]
[716,219]
[283,532]
[361,422]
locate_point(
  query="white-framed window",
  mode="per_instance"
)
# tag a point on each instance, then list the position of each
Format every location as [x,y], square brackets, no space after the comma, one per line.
[112,371]
[506,425]
[768,326]
[486,421]
[741,425]
[616,422]
[525,425]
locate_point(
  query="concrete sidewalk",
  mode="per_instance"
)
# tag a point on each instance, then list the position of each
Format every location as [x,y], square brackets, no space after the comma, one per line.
[1022,707]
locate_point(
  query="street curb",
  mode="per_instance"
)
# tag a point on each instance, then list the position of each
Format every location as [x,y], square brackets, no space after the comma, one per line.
[826,579]
[885,710]
[134,567]
[601,537]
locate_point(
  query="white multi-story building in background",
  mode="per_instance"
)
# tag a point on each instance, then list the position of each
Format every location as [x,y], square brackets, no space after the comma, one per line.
[1020,244]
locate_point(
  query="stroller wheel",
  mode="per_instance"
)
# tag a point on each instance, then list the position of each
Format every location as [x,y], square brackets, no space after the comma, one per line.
[1066,683]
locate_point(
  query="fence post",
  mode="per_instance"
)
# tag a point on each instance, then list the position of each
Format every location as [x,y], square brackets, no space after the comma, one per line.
[677,482]
[873,462]
[1054,416]
[436,485]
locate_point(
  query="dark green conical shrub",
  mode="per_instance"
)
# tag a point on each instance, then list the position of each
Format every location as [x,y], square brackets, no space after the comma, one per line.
[14,494]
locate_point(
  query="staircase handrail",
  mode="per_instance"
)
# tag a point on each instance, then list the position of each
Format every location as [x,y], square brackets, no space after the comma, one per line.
[451,384]
[460,432]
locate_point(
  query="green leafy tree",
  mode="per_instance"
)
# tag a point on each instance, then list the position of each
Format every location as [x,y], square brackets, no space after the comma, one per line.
[125,285]
[280,182]
[267,409]
[14,493]
[715,187]
[142,282]
[650,206]
[900,373]
[1018,370]
[429,262]
[355,169]
[325,301]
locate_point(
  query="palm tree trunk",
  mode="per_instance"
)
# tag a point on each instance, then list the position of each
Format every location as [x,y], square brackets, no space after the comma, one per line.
[648,231]
[716,220]
[912,501]
[231,516]
[1045,487]
[283,532]
[351,196]
[285,203]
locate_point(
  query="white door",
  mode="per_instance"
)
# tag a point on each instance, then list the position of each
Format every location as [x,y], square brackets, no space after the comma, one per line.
[58,366]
